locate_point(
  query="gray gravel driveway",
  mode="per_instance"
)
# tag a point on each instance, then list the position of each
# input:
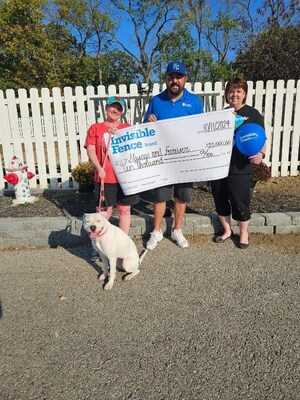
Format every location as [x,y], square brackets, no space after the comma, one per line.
[207,322]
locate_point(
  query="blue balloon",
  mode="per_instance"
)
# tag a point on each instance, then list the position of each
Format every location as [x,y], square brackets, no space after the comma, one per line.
[250,139]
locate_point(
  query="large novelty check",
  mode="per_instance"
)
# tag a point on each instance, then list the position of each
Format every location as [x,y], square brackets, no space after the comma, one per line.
[186,149]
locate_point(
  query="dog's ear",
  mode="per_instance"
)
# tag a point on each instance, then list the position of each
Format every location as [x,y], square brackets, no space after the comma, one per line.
[104,214]
[84,216]
[101,211]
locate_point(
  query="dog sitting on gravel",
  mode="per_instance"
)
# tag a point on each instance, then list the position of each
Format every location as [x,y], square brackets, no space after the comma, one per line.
[112,244]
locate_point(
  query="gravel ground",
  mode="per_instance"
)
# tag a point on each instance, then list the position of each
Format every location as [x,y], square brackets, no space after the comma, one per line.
[211,322]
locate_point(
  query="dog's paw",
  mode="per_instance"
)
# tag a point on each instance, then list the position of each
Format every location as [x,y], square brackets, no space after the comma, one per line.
[128,277]
[109,285]
[102,277]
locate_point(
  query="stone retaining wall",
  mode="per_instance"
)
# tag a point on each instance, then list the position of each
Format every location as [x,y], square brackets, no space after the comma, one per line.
[63,231]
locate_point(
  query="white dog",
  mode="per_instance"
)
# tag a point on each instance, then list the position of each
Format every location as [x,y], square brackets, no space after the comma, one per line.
[112,243]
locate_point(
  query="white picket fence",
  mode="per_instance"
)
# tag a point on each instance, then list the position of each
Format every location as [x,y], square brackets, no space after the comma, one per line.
[46,130]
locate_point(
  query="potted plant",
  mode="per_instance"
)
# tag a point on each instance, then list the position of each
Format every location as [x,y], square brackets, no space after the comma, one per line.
[83,174]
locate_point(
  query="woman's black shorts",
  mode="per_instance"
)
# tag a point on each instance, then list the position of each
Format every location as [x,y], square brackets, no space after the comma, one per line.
[114,195]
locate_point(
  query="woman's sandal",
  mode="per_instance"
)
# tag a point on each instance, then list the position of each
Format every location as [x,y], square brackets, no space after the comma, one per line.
[218,239]
[243,245]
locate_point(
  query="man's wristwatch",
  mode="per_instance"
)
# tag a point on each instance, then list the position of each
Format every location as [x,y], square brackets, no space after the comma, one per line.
[263,154]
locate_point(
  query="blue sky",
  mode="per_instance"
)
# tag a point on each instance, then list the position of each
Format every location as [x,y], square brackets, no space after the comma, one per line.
[126,33]
[126,29]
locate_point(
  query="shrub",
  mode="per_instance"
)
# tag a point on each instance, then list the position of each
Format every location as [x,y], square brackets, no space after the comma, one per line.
[83,174]
[261,172]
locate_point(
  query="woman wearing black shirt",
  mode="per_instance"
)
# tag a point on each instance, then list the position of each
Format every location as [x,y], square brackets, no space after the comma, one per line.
[232,194]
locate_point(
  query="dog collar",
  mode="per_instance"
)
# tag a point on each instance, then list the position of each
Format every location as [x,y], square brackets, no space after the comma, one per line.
[101,233]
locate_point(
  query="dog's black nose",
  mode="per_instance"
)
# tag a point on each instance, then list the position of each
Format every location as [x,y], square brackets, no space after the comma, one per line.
[93,228]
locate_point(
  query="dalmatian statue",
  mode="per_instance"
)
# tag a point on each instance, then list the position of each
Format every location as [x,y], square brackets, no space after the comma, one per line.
[19,177]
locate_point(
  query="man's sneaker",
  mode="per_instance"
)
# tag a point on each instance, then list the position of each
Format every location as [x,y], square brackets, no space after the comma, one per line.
[155,237]
[94,255]
[178,237]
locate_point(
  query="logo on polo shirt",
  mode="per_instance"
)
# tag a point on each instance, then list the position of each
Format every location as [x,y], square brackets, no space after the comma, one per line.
[186,105]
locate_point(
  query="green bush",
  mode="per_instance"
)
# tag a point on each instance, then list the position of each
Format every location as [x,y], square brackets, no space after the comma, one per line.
[261,172]
[83,173]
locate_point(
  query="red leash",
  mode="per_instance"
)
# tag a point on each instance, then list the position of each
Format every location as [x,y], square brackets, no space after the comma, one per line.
[105,149]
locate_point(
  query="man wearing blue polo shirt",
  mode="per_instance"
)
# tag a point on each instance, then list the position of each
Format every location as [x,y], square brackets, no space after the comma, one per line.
[175,101]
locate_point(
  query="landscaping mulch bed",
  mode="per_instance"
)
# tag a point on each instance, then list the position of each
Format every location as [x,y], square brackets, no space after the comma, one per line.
[276,195]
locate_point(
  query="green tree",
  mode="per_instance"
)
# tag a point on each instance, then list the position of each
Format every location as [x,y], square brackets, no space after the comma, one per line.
[64,54]
[215,29]
[25,50]
[279,13]
[274,54]
[91,28]
[117,68]
[175,45]
[150,20]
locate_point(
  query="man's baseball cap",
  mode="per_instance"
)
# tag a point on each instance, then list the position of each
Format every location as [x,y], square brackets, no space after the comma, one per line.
[176,67]
[115,99]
